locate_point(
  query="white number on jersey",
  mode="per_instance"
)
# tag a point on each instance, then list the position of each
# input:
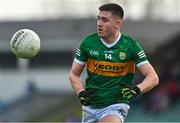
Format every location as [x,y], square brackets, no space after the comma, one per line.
[108,56]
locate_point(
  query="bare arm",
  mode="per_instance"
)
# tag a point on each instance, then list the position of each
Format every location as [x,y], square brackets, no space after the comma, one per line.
[151,79]
[74,77]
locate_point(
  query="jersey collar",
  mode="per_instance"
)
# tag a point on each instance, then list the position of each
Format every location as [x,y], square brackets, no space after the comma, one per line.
[113,43]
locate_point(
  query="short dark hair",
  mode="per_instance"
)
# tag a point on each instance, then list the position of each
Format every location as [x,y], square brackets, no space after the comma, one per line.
[114,8]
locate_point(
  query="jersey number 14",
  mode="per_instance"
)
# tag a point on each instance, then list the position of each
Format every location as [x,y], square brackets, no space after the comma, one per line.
[108,56]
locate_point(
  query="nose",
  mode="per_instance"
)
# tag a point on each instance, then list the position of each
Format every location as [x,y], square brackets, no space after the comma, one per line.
[99,23]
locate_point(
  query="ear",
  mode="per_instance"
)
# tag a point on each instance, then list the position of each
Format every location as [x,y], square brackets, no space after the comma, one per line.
[118,23]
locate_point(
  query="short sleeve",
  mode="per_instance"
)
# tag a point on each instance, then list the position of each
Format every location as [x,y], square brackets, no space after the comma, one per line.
[139,55]
[81,56]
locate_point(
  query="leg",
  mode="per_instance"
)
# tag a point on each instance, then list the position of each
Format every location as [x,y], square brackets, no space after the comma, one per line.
[113,113]
[110,118]
[88,114]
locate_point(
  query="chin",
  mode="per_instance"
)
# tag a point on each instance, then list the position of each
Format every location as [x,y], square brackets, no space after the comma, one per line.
[100,35]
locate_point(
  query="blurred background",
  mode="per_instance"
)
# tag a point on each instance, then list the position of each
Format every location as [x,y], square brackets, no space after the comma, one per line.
[39,89]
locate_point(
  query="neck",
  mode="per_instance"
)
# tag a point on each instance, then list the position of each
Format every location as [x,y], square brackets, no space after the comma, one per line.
[111,38]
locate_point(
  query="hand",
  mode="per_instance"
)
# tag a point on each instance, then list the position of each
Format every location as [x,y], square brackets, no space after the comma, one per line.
[84,98]
[130,92]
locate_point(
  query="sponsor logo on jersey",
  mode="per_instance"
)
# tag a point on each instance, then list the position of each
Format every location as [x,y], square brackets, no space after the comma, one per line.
[122,55]
[107,68]
[92,52]
[109,51]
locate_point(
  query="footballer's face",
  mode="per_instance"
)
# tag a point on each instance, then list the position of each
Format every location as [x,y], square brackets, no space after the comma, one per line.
[107,24]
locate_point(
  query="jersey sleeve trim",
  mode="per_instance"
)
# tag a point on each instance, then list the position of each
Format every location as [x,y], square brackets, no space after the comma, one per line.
[141,63]
[79,62]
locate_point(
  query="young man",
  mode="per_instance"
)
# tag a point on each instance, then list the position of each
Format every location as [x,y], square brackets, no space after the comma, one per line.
[110,57]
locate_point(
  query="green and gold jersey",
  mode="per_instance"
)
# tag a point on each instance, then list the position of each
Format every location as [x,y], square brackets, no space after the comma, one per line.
[109,67]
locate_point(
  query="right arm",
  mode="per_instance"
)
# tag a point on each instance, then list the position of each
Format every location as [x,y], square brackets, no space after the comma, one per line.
[74,77]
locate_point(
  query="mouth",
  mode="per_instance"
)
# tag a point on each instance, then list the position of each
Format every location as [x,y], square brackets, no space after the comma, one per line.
[100,30]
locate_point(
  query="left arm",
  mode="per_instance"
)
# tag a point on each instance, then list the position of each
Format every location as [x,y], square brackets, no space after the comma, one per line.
[151,78]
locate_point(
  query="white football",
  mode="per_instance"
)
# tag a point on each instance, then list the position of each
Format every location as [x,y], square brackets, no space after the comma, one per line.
[25,43]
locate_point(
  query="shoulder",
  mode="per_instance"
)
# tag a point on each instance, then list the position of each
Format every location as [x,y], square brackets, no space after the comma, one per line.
[128,38]
[93,36]
[90,39]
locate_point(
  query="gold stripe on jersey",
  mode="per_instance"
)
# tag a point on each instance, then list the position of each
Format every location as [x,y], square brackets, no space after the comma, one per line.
[106,68]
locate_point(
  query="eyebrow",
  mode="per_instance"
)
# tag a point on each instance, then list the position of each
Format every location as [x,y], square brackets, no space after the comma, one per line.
[103,17]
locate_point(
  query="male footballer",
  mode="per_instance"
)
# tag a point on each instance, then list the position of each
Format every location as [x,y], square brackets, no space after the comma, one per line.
[110,57]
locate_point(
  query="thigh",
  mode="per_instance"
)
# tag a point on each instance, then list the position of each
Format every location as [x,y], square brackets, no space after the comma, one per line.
[110,118]
[88,114]
[113,113]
